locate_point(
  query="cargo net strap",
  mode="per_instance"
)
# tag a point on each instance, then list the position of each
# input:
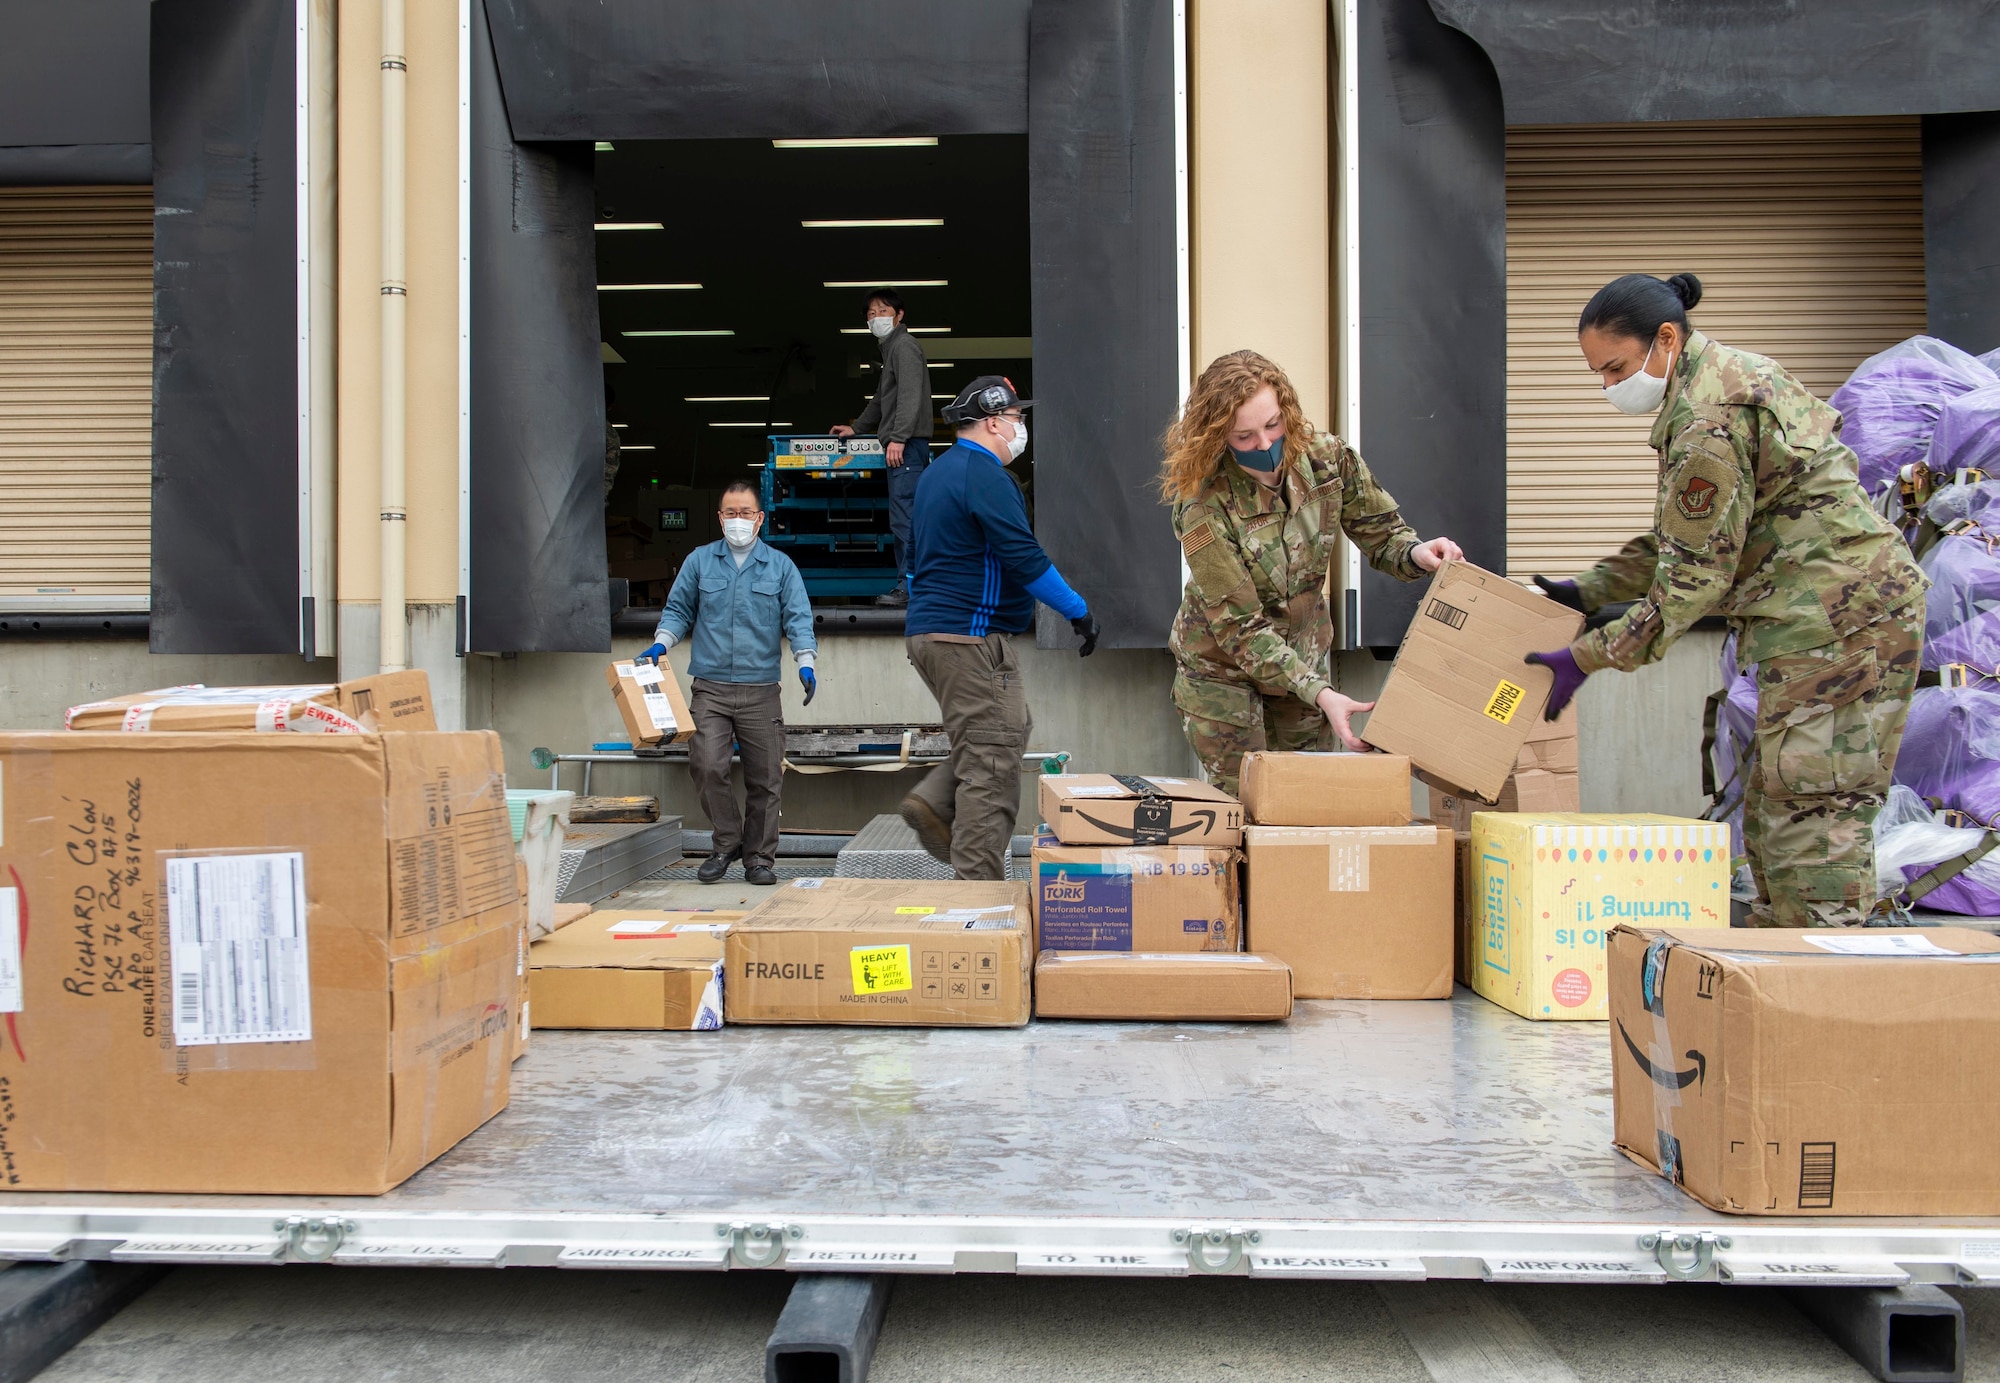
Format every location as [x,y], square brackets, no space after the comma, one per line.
[1957,675]
[902,762]
[1899,903]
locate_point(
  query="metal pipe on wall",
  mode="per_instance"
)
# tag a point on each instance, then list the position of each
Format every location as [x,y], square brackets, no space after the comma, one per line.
[395,655]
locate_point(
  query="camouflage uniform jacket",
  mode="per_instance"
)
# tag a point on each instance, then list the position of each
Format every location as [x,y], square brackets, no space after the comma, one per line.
[1759,519]
[1254,611]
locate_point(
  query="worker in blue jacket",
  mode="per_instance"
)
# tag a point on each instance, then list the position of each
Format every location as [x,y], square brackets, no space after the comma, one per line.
[737,596]
[976,572]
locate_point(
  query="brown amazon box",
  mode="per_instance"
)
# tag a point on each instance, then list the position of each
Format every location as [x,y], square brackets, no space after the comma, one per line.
[1326,789]
[1162,986]
[1136,897]
[1823,1072]
[1358,912]
[650,700]
[387,701]
[1126,809]
[235,962]
[883,951]
[631,969]
[1460,702]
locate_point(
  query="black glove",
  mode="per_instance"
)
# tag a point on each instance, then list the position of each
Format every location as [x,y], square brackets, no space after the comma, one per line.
[1087,629]
[1563,593]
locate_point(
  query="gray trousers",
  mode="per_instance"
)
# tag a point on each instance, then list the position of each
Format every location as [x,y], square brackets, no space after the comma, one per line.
[984,705]
[749,718]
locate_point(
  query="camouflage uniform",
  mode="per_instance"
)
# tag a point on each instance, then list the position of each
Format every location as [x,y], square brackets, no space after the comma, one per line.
[1760,520]
[1254,632]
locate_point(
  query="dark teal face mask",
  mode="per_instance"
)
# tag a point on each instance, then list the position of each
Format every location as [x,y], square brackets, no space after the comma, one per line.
[1265,459]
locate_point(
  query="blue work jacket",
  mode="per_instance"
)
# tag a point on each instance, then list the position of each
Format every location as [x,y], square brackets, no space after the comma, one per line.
[737,613]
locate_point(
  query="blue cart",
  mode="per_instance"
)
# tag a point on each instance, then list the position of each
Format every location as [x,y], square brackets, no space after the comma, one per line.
[826,506]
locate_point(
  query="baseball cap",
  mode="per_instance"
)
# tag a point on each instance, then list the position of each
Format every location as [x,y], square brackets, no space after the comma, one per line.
[984,398]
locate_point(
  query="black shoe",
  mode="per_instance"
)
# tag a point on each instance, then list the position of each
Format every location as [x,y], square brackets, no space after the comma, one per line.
[715,866]
[761,875]
[932,833]
[897,599]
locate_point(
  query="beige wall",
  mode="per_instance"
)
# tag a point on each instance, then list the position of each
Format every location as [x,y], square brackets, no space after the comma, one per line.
[1259,202]
[431,483]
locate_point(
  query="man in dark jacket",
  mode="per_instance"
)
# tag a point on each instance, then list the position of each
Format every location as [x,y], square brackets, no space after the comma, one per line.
[900,415]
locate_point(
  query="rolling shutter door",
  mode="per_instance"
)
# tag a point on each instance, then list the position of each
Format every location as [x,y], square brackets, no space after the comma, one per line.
[1808,238]
[76,398]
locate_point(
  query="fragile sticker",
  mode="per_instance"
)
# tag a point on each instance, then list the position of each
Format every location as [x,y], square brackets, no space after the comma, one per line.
[880,969]
[915,912]
[1506,700]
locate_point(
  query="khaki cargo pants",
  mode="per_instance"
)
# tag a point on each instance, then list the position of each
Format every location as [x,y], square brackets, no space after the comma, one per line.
[984,705]
[1829,723]
[746,719]
[1226,720]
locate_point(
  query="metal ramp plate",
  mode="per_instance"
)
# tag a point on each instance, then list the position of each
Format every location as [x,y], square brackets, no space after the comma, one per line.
[887,849]
[599,858]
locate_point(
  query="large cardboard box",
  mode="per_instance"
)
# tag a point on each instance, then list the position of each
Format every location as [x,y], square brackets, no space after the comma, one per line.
[1126,809]
[237,962]
[632,969]
[1136,898]
[883,951]
[650,700]
[1834,1072]
[1326,789]
[386,701]
[1544,779]
[1162,987]
[1358,912]
[1550,888]
[1460,701]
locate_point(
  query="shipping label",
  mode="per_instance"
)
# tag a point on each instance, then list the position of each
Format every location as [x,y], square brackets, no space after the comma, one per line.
[10,950]
[237,931]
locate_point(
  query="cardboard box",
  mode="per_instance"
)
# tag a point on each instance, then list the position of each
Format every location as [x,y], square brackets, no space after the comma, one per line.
[1544,778]
[1162,987]
[387,701]
[883,951]
[1136,898]
[1833,1072]
[1550,888]
[567,913]
[650,700]
[257,963]
[1326,789]
[1465,917]
[1124,809]
[521,939]
[1460,701]
[631,969]
[1358,912]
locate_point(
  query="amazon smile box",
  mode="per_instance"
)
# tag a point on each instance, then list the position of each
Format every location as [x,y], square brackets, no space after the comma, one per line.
[1544,890]
[1127,809]
[1823,1072]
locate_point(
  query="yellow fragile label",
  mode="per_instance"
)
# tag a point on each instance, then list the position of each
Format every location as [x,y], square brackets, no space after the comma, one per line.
[880,969]
[1506,700]
[918,912]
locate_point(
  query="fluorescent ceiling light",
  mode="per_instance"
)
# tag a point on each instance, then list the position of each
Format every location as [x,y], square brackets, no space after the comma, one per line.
[914,331]
[604,146]
[676,333]
[884,223]
[727,398]
[645,287]
[944,396]
[915,141]
[636,446]
[621,424]
[749,424]
[943,365]
[885,283]
[631,225]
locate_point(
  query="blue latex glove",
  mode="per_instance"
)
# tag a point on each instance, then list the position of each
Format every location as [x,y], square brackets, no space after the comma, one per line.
[1568,678]
[1563,593]
[809,682]
[653,654]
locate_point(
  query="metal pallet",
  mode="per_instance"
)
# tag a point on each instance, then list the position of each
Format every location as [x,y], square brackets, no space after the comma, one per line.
[1359,1140]
[599,858]
[887,849]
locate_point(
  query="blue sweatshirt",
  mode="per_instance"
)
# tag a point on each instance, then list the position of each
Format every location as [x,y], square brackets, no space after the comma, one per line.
[975,567]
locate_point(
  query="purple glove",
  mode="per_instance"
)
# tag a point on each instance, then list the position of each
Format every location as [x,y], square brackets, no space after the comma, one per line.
[1568,678]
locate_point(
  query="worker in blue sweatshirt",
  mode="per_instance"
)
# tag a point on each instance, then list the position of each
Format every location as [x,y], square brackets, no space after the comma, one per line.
[976,572]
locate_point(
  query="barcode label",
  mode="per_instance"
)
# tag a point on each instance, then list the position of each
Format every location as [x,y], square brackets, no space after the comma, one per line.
[10,950]
[660,711]
[1816,1176]
[237,929]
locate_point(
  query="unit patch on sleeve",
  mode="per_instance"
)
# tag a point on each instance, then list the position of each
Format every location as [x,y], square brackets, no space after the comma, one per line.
[1699,490]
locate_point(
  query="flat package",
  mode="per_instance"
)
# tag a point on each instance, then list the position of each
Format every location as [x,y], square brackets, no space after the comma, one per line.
[1136,898]
[650,701]
[365,705]
[1812,1072]
[1460,702]
[1357,912]
[917,952]
[257,963]
[1548,888]
[1140,986]
[631,969]
[1128,809]
[1326,789]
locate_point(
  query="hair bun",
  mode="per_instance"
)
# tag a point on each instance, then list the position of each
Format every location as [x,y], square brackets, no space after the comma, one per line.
[1687,288]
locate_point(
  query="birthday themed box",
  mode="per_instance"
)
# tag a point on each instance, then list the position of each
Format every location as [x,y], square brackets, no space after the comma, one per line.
[1546,888]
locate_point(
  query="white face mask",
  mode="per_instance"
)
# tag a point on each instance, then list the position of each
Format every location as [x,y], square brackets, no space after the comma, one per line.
[879,327]
[1638,392]
[739,533]
[1018,443]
